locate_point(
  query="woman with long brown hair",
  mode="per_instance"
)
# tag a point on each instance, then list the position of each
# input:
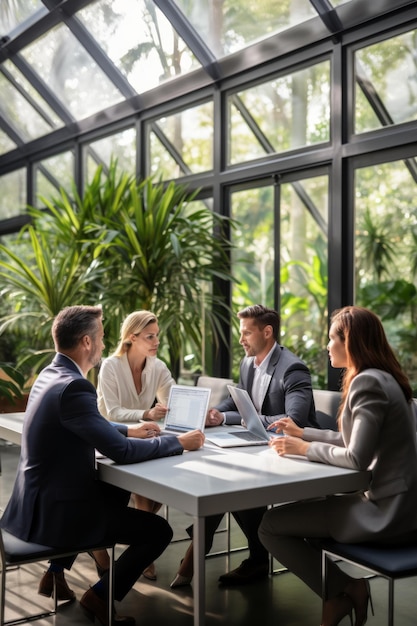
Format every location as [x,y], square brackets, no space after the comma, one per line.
[377,432]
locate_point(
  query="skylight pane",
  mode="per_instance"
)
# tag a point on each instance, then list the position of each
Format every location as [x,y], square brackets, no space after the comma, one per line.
[139,40]
[19,113]
[230,26]
[49,114]
[6,144]
[73,75]
[14,13]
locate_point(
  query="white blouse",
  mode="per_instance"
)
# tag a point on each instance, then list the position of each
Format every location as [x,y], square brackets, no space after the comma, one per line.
[118,399]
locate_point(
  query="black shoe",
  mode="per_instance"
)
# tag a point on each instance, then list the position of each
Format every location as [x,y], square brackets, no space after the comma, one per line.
[247,572]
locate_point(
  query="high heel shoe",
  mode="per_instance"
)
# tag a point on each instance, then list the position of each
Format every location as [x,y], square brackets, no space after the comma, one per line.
[100,570]
[359,592]
[181,581]
[335,609]
[46,586]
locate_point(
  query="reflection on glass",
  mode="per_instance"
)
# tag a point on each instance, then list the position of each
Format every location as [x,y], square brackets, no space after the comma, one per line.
[289,112]
[13,194]
[53,173]
[120,147]
[14,13]
[386,83]
[71,73]
[386,252]
[230,26]
[182,143]
[139,40]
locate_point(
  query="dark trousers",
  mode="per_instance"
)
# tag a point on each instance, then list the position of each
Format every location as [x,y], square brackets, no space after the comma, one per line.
[146,536]
[249,521]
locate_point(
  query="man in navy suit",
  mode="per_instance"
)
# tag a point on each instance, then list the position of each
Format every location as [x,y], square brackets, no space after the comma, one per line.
[57,499]
[279,384]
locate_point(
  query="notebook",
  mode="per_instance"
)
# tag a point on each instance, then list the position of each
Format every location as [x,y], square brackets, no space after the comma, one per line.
[187,409]
[255,435]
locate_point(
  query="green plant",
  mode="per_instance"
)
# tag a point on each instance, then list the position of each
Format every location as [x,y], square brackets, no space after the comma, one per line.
[11,386]
[127,245]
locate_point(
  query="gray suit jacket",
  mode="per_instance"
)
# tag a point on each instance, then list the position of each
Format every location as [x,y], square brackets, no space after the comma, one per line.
[289,391]
[377,432]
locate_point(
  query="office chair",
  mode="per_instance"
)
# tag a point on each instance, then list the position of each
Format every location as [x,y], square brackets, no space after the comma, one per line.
[15,552]
[389,561]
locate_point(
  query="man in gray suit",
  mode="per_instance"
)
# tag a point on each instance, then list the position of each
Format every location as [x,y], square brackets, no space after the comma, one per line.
[279,384]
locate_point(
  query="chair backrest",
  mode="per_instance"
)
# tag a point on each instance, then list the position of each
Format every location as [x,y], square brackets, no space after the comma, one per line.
[218,386]
[327,404]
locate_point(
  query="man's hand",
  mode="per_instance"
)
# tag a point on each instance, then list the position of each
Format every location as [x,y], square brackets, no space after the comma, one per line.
[192,440]
[143,431]
[214,418]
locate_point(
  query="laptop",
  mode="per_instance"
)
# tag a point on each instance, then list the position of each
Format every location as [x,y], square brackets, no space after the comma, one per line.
[187,409]
[255,435]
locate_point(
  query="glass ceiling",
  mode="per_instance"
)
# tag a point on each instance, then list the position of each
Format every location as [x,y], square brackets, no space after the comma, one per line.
[62,61]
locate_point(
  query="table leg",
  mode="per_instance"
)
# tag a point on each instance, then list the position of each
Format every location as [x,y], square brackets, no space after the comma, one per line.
[199,571]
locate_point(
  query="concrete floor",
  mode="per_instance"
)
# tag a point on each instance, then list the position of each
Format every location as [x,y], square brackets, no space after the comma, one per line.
[280,600]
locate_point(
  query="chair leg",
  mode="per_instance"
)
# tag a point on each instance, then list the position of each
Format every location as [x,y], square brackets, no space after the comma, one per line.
[391,602]
[111,585]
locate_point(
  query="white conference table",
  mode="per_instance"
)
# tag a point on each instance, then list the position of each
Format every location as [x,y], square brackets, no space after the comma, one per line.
[214,480]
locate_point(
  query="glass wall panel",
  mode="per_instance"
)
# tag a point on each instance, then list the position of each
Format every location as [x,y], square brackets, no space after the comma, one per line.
[301,220]
[232,25]
[51,174]
[285,113]
[71,73]
[140,41]
[121,146]
[304,272]
[386,252]
[13,194]
[386,83]
[182,143]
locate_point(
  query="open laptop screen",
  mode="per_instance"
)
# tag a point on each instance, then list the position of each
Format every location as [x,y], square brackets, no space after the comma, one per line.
[187,409]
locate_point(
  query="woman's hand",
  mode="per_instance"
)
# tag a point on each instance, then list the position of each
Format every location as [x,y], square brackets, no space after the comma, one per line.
[289,445]
[287,426]
[144,431]
[156,413]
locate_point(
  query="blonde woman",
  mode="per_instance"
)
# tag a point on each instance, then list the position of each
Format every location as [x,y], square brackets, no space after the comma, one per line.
[133,385]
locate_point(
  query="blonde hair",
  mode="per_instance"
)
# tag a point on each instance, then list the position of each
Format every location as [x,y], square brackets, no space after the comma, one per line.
[133,324]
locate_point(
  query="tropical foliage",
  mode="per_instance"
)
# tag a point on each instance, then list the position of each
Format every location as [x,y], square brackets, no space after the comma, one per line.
[126,245]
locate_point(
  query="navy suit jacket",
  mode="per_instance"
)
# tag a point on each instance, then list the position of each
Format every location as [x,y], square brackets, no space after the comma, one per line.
[57,499]
[289,391]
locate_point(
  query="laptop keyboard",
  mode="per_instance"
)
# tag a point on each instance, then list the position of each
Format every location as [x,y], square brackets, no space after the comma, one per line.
[246,435]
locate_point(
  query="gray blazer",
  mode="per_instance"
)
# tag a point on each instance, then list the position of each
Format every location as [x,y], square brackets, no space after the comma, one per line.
[289,391]
[377,432]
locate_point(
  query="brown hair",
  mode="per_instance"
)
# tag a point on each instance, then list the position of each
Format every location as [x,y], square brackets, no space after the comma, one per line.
[72,323]
[366,346]
[262,317]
